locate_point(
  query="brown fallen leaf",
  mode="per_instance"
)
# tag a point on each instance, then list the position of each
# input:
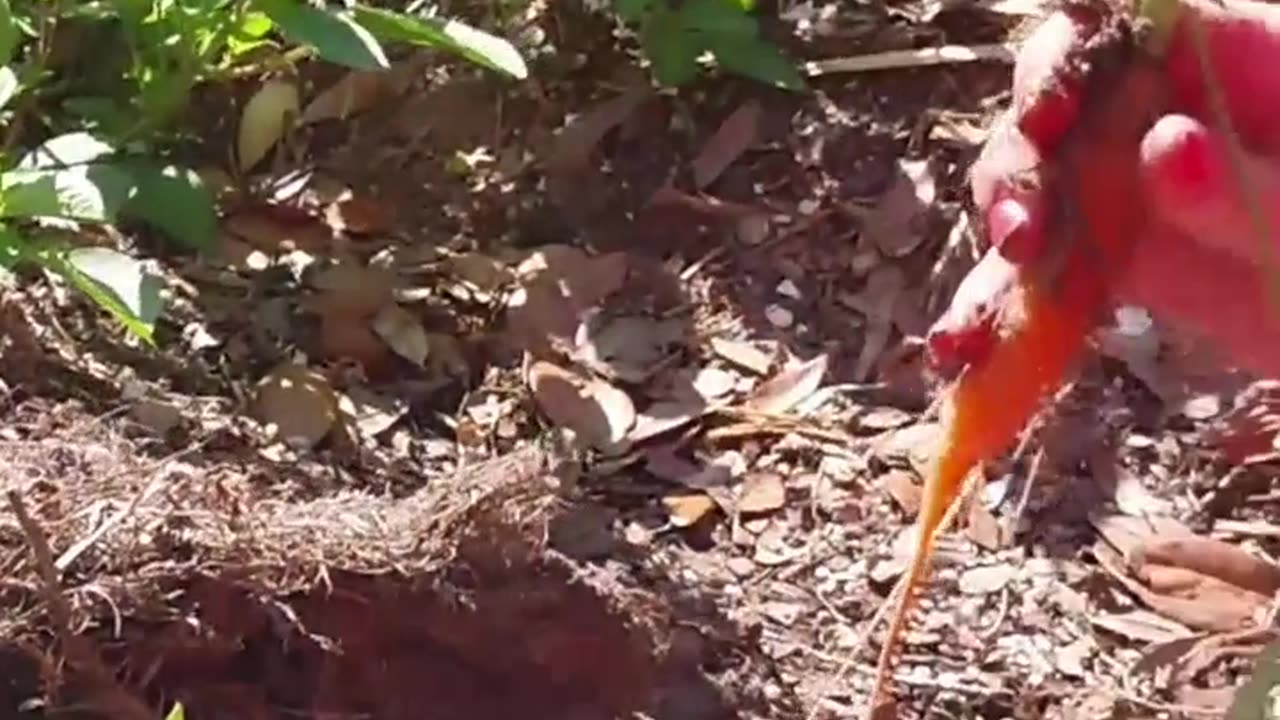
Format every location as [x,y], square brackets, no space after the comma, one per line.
[371,413]
[761,492]
[346,336]
[789,387]
[351,287]
[359,215]
[1201,602]
[735,136]
[1212,557]
[599,413]
[360,90]
[903,488]
[685,510]
[578,139]
[1142,625]
[298,402]
[630,348]
[896,223]
[403,332]
[274,229]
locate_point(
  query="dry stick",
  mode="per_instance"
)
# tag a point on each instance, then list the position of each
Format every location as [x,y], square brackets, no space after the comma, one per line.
[74,648]
[971,484]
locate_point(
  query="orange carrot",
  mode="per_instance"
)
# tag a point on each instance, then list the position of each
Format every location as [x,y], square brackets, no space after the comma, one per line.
[1040,326]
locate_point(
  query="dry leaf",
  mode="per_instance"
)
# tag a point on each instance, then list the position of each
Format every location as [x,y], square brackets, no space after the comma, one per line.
[789,387]
[743,354]
[902,487]
[402,331]
[628,347]
[1212,557]
[370,412]
[350,287]
[274,229]
[480,271]
[761,492]
[359,215]
[299,403]
[665,416]
[360,90]
[264,120]
[578,139]
[619,413]
[157,416]
[344,336]
[712,383]
[686,510]
[599,413]
[1142,625]
[736,134]
[896,223]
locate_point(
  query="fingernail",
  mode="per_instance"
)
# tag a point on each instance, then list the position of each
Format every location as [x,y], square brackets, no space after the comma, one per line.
[1013,232]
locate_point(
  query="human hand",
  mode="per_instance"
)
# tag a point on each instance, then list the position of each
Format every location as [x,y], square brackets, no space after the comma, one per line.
[1201,262]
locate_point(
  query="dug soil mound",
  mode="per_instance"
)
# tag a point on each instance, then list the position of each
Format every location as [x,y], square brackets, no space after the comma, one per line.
[141,583]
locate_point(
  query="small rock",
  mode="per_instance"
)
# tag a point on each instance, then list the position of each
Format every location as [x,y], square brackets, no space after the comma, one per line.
[786,288]
[779,316]
[741,566]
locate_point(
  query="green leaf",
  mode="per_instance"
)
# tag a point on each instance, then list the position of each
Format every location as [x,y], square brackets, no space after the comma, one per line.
[335,36]
[721,17]
[451,36]
[118,283]
[9,85]
[176,201]
[92,193]
[9,32]
[755,58]
[672,50]
[631,10]
[176,712]
[12,248]
[77,148]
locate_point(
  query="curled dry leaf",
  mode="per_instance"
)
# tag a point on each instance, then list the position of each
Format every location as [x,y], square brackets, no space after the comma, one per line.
[359,215]
[789,387]
[1212,557]
[627,347]
[596,411]
[558,284]
[264,120]
[896,223]
[402,331]
[735,136]
[298,402]
[665,416]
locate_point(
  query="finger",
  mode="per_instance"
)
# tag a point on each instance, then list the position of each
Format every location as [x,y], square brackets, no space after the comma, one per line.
[1242,39]
[1210,294]
[1193,185]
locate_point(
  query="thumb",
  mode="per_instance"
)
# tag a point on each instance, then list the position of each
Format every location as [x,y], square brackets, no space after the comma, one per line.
[1194,187]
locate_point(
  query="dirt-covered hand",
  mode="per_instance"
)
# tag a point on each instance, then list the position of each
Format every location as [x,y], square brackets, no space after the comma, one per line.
[1211,216]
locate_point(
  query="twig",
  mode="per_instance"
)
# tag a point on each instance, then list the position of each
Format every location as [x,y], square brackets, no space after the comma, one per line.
[1011,525]
[76,649]
[921,57]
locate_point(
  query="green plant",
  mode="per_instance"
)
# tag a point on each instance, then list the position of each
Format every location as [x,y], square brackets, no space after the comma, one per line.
[675,34]
[108,110]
